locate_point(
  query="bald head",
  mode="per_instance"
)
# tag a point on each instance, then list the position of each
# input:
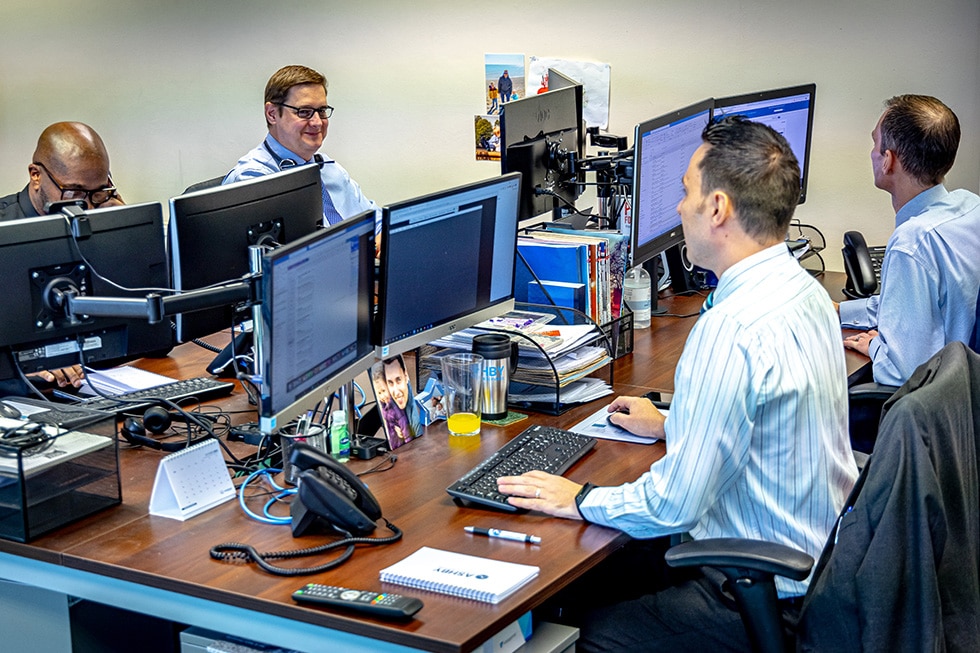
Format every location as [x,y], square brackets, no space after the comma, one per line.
[70,155]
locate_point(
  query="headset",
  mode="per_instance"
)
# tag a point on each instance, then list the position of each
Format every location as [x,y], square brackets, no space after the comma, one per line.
[286,164]
[156,420]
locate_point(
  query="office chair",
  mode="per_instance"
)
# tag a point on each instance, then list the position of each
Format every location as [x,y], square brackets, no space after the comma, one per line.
[203,185]
[865,401]
[901,569]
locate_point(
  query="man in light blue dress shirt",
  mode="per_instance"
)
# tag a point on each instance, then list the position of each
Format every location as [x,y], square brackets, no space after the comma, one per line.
[930,274]
[297,115]
[756,435]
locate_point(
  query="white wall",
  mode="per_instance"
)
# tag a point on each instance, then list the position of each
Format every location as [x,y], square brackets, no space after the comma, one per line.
[175,87]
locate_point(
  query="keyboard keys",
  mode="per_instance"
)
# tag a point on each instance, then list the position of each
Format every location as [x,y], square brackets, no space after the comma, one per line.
[543,448]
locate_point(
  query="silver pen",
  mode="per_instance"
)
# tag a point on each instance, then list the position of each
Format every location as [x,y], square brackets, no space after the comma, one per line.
[503,535]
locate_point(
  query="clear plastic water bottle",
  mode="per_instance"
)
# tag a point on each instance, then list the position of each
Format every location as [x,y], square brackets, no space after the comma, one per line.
[339,439]
[636,292]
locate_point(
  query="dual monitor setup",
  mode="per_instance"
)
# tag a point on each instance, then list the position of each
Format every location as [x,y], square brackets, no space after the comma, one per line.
[108,285]
[543,137]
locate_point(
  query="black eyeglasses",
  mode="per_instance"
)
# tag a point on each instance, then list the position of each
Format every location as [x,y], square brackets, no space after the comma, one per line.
[305,113]
[93,197]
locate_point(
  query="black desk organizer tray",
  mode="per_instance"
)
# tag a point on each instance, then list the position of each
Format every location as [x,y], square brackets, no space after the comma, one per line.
[50,476]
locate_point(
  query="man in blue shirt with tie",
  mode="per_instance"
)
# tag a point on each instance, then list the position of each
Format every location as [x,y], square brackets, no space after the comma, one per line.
[297,115]
[930,274]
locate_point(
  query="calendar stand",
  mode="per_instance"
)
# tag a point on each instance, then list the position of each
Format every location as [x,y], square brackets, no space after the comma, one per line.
[190,481]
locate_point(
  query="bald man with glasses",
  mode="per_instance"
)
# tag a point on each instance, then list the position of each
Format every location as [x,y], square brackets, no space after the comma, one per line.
[69,163]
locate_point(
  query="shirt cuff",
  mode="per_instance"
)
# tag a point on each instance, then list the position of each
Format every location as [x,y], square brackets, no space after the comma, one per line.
[854,315]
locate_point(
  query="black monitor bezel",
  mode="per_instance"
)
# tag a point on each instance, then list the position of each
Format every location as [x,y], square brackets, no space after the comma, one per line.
[643,252]
[204,245]
[386,345]
[775,94]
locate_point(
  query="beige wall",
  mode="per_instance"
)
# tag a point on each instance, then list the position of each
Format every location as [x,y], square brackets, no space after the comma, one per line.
[175,87]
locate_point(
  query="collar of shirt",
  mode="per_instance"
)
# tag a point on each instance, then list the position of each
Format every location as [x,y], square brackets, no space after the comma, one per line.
[283,152]
[739,274]
[920,203]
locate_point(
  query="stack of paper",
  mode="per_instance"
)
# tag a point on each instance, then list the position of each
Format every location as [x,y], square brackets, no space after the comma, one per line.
[458,574]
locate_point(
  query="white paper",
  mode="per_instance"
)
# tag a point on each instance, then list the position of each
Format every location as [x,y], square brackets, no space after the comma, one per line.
[597,425]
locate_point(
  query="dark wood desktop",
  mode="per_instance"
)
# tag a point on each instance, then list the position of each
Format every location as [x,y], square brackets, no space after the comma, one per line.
[126,544]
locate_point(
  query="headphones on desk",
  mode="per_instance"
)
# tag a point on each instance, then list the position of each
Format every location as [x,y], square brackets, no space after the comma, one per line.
[156,420]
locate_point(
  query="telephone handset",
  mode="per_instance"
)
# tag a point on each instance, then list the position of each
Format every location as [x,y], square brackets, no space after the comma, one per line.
[861,278]
[328,490]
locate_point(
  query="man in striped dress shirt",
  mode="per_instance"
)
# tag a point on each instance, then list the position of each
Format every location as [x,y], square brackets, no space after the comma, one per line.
[756,436]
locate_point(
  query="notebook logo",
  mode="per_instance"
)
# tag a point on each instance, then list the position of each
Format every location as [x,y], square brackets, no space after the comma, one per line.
[457,572]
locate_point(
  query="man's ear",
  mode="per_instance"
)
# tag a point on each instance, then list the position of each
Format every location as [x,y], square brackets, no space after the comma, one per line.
[271,113]
[35,174]
[721,207]
[889,162]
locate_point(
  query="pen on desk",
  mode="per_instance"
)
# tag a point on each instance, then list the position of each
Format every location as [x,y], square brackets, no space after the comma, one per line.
[503,535]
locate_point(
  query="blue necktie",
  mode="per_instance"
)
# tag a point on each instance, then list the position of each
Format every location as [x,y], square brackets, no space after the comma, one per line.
[331,214]
[709,301]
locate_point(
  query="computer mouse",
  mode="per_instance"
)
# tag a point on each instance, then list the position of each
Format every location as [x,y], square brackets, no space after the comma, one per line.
[8,411]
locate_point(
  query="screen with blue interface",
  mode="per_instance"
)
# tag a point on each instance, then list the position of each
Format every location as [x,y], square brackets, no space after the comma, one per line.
[787,110]
[664,146]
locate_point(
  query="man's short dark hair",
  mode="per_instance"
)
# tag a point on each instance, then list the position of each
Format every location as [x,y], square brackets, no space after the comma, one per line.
[923,133]
[756,167]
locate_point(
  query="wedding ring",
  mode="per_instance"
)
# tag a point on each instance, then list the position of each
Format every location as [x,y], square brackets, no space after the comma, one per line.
[537,493]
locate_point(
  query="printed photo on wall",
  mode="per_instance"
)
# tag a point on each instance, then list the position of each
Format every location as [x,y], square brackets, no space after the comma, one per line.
[503,79]
[399,412]
[487,137]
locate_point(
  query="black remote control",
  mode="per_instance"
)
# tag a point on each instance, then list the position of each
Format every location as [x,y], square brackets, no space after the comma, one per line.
[383,605]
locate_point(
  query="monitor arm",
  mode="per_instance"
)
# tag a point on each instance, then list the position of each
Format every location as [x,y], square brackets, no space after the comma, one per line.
[153,307]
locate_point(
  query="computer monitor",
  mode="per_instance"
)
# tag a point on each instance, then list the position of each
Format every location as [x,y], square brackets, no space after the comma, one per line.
[315,335]
[447,262]
[211,230]
[787,110]
[663,149]
[118,252]
[541,136]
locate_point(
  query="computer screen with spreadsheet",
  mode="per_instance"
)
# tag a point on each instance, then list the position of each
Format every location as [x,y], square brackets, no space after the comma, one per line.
[787,110]
[315,335]
[663,149]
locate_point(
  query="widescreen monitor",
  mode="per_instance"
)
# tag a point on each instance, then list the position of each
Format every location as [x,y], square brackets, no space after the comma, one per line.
[118,252]
[787,110]
[211,230]
[315,333]
[447,262]
[663,149]
[541,136]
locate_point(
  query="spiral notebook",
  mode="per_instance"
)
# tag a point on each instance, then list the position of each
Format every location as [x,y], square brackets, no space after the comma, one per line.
[458,574]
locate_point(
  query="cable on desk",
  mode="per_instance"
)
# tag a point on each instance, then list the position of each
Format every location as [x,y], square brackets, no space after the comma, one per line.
[238,552]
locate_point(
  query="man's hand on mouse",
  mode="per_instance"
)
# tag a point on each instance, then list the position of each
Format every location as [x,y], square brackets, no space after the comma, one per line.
[637,415]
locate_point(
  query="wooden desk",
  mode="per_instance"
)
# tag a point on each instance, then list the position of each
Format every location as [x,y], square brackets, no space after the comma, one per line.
[656,350]
[158,566]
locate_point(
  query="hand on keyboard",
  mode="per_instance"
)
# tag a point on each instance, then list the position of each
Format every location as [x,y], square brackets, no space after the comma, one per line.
[547,493]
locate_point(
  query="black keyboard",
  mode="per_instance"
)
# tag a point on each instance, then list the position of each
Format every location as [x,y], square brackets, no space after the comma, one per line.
[67,416]
[202,387]
[544,448]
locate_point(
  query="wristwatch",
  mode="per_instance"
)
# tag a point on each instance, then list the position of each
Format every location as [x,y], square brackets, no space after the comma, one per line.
[580,497]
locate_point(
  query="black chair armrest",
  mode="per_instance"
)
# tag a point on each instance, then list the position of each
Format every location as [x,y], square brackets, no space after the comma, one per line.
[766,557]
[872,391]
[749,567]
